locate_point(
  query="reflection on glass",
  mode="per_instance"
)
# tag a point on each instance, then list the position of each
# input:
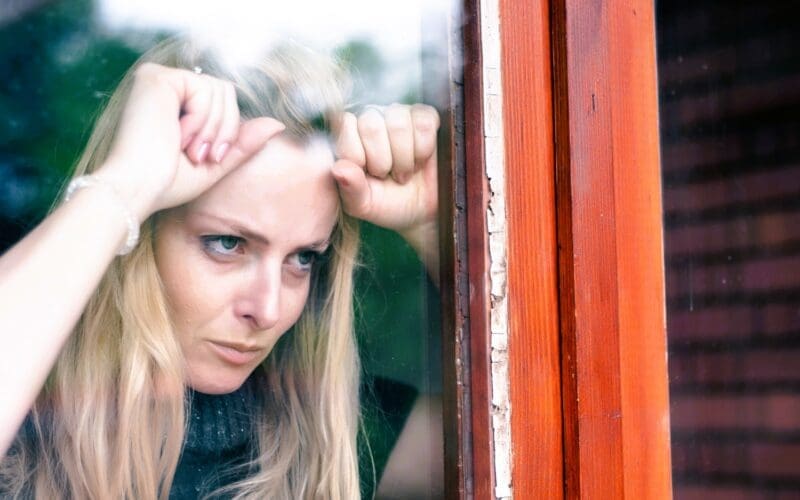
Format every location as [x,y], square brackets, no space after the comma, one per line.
[62,62]
[730,113]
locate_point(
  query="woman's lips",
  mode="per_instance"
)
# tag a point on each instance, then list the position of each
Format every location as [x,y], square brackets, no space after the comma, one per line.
[234,354]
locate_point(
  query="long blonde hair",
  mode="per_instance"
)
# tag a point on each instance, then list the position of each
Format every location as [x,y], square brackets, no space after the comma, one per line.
[107,426]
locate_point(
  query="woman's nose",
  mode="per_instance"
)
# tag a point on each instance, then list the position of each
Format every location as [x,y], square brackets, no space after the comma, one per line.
[261,299]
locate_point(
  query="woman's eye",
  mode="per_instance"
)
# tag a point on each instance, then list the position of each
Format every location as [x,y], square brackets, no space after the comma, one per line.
[305,259]
[222,244]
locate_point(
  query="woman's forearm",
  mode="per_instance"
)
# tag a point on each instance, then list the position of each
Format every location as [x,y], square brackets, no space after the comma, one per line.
[45,282]
[425,242]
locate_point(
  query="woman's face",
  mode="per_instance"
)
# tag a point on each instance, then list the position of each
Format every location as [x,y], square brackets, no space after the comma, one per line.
[236,262]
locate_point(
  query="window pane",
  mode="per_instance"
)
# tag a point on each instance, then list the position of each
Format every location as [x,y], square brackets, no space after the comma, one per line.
[62,60]
[730,100]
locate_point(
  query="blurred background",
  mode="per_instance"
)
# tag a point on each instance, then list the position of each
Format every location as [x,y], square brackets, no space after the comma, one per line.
[729,78]
[60,61]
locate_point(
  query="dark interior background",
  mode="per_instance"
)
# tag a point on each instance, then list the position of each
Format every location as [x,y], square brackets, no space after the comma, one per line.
[729,78]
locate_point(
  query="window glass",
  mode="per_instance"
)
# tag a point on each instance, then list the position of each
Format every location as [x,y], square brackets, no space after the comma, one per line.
[729,98]
[62,60]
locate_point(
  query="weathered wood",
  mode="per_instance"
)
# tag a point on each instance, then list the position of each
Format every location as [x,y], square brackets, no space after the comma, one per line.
[481,470]
[533,345]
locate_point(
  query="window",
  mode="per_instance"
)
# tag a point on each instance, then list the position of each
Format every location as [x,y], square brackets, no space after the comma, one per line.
[62,60]
[729,99]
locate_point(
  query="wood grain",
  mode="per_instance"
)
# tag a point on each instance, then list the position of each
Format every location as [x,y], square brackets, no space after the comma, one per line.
[616,410]
[533,346]
[640,252]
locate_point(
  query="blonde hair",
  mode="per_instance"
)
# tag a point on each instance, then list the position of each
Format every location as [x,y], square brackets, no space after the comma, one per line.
[117,389]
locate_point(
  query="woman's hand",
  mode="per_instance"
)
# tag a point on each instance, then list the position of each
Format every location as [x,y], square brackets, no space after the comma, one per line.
[387,173]
[178,135]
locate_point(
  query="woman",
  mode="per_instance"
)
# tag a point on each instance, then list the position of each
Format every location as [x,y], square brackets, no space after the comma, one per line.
[240,283]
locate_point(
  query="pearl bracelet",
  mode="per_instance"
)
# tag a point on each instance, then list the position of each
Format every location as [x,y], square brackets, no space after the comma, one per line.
[130,219]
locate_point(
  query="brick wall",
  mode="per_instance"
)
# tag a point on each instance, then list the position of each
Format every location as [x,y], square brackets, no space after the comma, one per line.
[729,77]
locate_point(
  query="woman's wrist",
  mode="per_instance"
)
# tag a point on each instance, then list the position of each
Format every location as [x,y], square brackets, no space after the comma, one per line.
[424,239]
[139,201]
[120,205]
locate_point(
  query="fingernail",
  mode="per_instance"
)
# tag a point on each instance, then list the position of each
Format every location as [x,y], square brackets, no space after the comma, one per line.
[221,150]
[201,153]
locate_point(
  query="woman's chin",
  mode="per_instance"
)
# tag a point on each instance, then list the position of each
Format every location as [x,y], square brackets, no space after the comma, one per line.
[218,382]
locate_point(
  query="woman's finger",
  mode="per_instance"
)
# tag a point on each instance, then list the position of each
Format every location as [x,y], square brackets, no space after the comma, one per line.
[195,106]
[401,139]
[375,138]
[348,142]
[426,124]
[253,135]
[354,188]
[200,147]
[229,126]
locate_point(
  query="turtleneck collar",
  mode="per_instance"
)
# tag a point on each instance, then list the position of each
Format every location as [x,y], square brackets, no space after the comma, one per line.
[218,424]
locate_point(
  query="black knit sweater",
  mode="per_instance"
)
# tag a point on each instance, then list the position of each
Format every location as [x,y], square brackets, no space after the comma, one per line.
[220,440]
[220,436]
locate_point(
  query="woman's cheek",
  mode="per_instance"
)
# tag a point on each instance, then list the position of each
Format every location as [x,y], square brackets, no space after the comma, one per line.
[205,293]
[180,268]
[299,297]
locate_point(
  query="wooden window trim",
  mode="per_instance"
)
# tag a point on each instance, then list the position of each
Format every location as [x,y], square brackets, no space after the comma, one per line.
[533,294]
[464,247]
[587,344]
[611,272]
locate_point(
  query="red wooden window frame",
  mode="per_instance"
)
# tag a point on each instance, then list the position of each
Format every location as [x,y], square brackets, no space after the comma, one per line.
[587,347]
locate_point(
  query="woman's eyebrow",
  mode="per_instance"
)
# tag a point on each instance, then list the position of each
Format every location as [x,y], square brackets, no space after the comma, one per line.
[317,246]
[251,234]
[236,226]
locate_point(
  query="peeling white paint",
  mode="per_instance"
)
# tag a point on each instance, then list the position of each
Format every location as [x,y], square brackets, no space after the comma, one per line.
[496,225]
[499,342]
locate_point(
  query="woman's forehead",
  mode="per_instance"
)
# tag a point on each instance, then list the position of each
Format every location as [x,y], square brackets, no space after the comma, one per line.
[283,182]
[283,155]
